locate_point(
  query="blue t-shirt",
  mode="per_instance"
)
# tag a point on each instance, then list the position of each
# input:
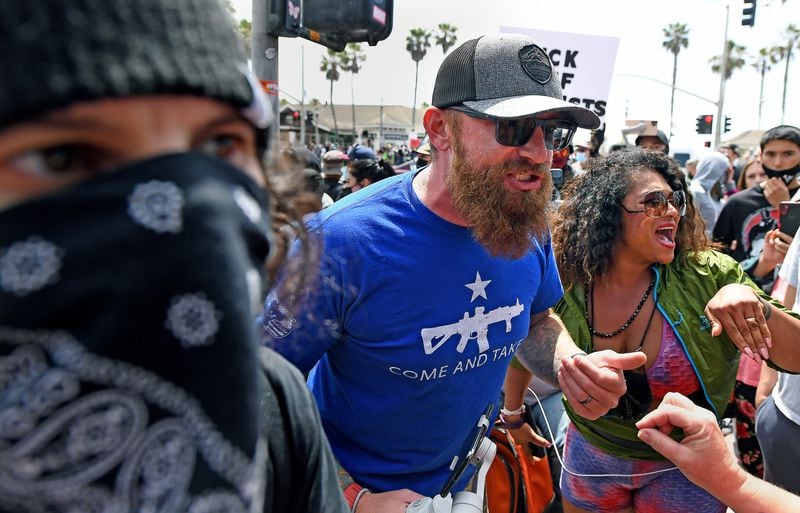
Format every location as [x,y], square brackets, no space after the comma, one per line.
[409,333]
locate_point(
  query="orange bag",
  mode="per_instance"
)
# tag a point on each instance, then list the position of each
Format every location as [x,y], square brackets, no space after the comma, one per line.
[517,483]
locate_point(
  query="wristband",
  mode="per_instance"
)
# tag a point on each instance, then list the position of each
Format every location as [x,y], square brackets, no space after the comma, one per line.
[352,493]
[518,411]
[767,308]
[358,498]
[511,425]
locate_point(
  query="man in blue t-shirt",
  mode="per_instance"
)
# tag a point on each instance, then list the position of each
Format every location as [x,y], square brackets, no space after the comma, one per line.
[430,282]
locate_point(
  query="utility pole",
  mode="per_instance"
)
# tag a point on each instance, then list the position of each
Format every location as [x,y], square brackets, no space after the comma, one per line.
[380,129]
[723,72]
[265,64]
[316,125]
[302,96]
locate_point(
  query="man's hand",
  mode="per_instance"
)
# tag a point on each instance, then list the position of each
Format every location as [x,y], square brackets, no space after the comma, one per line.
[737,310]
[776,244]
[594,383]
[775,191]
[525,436]
[394,501]
[703,455]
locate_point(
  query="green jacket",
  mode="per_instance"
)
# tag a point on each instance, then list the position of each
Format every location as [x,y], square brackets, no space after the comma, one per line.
[682,291]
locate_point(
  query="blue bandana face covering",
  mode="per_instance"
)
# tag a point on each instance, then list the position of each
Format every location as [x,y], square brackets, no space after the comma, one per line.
[128,356]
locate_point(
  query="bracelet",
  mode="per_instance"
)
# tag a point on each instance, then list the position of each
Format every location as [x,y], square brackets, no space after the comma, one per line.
[358,498]
[351,493]
[518,411]
[767,308]
[516,424]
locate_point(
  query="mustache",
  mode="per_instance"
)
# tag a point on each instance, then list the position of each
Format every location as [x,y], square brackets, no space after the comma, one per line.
[522,167]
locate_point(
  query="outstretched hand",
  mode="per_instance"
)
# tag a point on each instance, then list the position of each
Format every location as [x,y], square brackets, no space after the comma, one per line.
[702,444]
[737,310]
[593,383]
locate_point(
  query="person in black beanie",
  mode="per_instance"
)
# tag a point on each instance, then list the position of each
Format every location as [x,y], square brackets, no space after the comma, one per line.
[133,234]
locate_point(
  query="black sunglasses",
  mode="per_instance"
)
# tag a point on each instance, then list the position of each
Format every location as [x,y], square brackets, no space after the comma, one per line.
[656,204]
[518,131]
[637,399]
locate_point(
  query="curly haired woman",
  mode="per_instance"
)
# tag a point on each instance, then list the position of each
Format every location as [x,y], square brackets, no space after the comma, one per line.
[640,275]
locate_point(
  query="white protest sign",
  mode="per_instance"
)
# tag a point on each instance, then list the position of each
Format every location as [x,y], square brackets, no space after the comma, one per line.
[584,62]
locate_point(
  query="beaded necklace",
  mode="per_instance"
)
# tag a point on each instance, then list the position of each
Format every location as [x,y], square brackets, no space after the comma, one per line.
[590,290]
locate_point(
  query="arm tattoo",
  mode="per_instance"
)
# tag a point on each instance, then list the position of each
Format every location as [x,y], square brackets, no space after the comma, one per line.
[547,342]
[345,479]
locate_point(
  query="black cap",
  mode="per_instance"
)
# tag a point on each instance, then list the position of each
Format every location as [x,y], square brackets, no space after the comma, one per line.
[57,52]
[505,76]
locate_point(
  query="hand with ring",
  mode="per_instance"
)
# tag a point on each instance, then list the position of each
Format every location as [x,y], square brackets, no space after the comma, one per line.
[593,383]
[738,311]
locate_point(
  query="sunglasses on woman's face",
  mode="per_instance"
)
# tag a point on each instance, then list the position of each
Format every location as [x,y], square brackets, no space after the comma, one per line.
[656,204]
[517,132]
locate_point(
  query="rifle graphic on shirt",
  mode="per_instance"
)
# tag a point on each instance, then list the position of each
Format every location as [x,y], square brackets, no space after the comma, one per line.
[470,328]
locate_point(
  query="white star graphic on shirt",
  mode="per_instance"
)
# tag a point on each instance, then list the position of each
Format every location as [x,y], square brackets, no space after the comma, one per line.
[478,287]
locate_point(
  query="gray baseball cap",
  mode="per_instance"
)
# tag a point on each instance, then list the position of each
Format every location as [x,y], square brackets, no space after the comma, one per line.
[505,76]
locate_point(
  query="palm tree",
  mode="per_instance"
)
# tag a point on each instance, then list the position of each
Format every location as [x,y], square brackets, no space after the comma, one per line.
[330,66]
[675,38]
[417,43]
[733,56]
[736,60]
[762,63]
[792,41]
[351,61]
[446,37]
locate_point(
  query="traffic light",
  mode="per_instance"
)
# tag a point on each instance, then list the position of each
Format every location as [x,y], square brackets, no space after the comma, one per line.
[749,13]
[352,21]
[704,123]
[727,125]
[332,24]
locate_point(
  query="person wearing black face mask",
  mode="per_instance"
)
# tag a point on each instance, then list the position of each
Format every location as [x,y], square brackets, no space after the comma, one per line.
[133,236]
[747,225]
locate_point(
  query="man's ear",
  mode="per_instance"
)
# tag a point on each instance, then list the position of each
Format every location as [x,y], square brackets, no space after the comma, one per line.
[437,128]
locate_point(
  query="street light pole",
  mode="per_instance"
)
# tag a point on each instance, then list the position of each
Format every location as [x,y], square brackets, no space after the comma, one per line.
[380,129]
[723,72]
[264,54]
[302,96]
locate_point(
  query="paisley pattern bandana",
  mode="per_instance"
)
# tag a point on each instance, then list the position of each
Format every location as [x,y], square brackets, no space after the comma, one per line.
[128,356]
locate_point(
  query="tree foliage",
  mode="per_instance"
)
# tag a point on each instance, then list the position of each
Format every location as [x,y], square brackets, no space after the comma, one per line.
[446,36]
[736,59]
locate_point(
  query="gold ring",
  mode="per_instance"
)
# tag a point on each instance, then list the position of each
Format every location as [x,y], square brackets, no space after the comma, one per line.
[752,322]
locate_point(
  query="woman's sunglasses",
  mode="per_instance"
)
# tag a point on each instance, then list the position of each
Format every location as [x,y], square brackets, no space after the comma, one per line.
[517,132]
[656,204]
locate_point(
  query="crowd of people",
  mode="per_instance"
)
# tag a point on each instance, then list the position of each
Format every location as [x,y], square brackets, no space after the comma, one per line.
[186,328]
